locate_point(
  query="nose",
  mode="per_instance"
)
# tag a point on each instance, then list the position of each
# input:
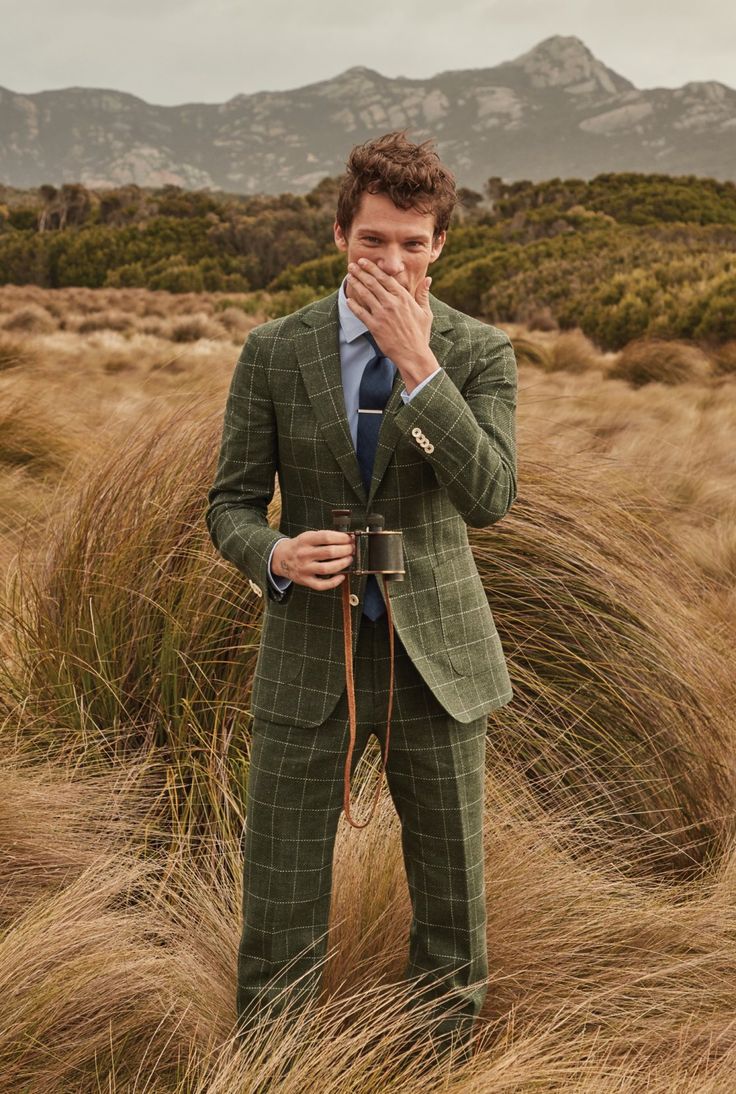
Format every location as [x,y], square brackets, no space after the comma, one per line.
[391,261]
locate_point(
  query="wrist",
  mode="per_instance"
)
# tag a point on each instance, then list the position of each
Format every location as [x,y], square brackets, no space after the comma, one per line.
[280,562]
[417,369]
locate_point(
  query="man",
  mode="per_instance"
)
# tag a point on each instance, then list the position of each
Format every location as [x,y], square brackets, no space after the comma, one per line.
[377,398]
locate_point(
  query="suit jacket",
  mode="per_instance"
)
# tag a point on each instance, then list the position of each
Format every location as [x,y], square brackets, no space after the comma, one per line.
[445,460]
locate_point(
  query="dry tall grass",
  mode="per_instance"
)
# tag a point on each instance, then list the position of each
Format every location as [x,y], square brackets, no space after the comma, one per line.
[128,649]
[648,360]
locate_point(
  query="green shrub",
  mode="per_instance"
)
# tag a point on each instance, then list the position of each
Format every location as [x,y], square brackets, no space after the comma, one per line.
[322,274]
[620,256]
[717,321]
[178,277]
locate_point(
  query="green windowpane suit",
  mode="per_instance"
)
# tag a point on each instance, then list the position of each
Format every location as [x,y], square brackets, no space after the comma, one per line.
[444,460]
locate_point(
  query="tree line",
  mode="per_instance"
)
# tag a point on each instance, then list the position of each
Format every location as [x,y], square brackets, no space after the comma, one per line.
[620,255]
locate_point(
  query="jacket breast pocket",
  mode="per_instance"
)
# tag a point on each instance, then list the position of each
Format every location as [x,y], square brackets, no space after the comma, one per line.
[468,629]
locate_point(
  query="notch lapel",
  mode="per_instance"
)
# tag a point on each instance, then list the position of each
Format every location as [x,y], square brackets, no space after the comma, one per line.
[318,353]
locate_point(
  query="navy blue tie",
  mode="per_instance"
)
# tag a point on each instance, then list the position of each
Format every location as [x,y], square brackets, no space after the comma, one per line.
[375,388]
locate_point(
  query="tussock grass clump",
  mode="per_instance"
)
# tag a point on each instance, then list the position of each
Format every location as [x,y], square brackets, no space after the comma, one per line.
[573,351]
[15,352]
[31,319]
[724,358]
[106,320]
[94,989]
[557,351]
[601,979]
[236,321]
[115,363]
[566,351]
[57,821]
[616,684]
[133,629]
[156,325]
[23,498]
[659,360]
[193,328]
[528,351]
[31,438]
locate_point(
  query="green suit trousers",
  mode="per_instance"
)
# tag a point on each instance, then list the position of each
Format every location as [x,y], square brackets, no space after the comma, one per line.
[436,778]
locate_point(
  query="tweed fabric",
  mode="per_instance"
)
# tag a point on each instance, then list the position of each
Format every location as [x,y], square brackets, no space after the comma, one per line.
[436,778]
[285,416]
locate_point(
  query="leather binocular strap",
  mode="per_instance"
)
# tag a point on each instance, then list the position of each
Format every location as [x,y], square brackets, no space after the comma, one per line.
[350,682]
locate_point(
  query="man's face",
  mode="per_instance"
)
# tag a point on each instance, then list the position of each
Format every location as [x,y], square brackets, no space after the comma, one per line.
[400,241]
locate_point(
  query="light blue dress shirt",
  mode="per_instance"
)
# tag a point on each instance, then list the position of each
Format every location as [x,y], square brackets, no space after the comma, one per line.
[355,353]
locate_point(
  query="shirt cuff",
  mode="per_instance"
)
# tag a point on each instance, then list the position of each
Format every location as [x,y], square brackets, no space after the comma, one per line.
[280,583]
[408,396]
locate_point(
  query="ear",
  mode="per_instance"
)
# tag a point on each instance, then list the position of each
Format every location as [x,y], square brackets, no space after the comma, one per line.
[438,243]
[340,238]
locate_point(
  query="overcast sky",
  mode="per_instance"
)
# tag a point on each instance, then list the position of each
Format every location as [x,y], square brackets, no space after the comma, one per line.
[175,51]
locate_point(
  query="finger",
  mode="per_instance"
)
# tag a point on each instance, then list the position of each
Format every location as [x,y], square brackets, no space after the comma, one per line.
[362,293]
[328,583]
[359,310]
[422,292]
[327,535]
[374,281]
[336,550]
[388,283]
[331,549]
[322,581]
[331,559]
[328,567]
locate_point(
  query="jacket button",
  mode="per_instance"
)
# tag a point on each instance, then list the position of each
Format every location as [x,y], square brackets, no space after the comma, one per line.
[354,600]
[416,432]
[429,448]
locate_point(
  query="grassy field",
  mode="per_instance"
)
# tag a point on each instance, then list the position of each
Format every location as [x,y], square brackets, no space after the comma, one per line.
[127,648]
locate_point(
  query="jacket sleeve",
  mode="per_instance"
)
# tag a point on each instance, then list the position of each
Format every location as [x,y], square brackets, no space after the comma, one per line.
[243,487]
[469,437]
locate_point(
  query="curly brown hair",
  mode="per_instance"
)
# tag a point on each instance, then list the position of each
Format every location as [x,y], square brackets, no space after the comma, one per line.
[412,175]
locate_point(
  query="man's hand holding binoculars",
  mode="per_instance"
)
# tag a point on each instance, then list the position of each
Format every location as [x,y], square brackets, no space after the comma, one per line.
[314,558]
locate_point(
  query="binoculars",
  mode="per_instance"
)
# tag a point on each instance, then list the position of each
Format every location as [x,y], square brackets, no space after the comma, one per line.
[377,551]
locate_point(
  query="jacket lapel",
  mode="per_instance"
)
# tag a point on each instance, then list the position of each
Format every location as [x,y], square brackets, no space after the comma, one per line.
[318,353]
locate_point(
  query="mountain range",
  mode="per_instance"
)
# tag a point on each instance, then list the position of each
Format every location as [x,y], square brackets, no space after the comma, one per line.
[556,110]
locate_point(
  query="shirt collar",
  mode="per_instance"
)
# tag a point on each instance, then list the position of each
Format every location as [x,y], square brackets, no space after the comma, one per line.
[350,325]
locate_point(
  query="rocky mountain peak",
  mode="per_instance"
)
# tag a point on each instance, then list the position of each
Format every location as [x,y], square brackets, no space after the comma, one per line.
[554,111]
[566,62]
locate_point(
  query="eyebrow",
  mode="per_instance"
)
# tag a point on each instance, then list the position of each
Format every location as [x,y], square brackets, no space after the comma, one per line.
[379,234]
